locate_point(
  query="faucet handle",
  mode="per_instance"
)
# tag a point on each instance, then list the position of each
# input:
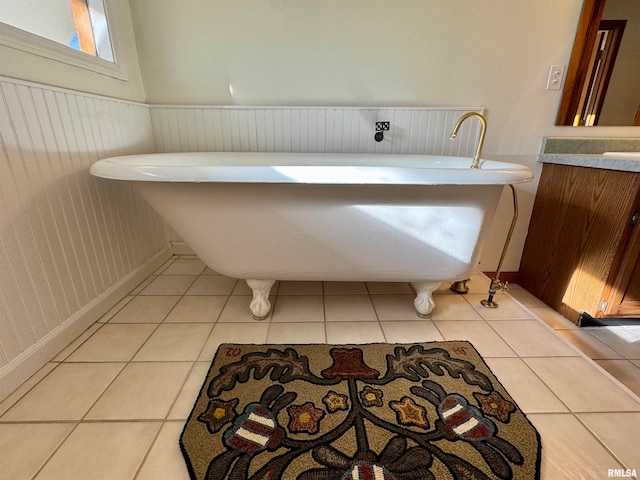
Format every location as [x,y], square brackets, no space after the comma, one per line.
[497,285]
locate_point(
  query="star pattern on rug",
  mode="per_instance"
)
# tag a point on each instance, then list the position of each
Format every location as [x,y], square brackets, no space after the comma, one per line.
[409,412]
[305,418]
[218,414]
[495,405]
[371,397]
[335,401]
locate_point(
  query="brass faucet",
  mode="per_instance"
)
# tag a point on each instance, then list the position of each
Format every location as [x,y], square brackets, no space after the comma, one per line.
[483,122]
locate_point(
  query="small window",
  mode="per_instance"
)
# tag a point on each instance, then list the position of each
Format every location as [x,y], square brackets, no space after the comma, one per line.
[66,30]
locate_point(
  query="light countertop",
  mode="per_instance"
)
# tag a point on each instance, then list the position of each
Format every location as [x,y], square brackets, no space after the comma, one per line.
[589,152]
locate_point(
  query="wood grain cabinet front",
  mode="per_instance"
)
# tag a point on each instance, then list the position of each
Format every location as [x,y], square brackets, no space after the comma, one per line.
[582,249]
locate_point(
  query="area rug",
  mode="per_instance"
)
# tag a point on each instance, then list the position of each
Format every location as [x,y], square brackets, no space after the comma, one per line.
[357,412]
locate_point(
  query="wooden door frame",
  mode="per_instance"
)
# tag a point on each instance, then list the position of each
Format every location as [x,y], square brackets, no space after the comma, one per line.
[578,65]
[601,78]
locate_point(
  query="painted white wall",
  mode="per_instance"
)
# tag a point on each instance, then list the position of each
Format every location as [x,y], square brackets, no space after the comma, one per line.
[374,52]
[27,66]
[377,52]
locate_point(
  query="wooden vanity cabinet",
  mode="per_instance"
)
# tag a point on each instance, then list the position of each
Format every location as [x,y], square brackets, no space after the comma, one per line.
[583,247]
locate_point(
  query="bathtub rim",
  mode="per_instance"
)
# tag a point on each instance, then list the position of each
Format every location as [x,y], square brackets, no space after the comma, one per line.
[309,168]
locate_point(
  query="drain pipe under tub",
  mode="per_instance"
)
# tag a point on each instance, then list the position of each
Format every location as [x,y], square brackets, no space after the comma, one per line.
[496,284]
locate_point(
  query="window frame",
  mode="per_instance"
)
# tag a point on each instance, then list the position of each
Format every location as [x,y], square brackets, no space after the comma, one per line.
[19,39]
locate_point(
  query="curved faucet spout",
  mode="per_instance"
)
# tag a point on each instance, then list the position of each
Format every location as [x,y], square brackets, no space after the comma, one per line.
[483,122]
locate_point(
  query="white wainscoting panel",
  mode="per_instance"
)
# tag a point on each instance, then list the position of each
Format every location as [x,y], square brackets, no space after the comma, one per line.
[65,236]
[311,129]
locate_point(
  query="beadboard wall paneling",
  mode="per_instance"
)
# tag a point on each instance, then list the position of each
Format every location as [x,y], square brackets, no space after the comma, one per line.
[65,236]
[311,129]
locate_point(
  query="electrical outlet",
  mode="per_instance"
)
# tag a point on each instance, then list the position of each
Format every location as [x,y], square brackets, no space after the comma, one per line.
[556,76]
[382,126]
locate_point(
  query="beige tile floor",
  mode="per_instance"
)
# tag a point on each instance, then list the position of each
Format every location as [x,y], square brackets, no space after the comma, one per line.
[113,403]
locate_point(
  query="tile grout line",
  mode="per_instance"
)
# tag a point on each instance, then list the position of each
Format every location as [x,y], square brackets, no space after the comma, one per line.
[166,420]
[517,355]
[57,364]
[601,442]
[270,315]
[161,422]
[580,352]
[592,338]
[276,297]
[125,362]
[64,360]
[612,347]
[55,450]
[324,315]
[97,322]
[384,336]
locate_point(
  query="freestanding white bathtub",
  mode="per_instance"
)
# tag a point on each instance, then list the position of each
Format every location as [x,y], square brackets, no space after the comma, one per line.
[350,217]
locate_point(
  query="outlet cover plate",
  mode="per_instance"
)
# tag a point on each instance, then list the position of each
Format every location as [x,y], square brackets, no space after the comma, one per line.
[556,77]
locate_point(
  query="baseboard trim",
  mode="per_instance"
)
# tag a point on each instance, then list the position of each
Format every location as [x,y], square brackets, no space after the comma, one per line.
[511,277]
[181,248]
[587,320]
[16,372]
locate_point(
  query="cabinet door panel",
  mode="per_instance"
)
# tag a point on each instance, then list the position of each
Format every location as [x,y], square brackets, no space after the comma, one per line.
[578,221]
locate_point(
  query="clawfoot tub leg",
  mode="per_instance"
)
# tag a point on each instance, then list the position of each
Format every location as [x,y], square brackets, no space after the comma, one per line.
[424,301]
[260,304]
